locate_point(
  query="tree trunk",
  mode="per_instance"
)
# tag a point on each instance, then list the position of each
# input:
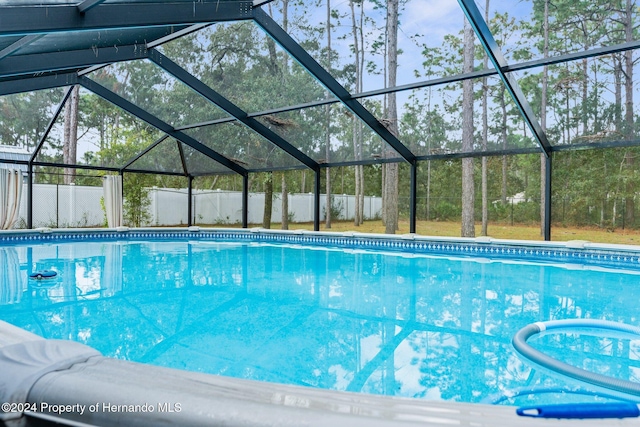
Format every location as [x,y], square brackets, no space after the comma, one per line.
[70,146]
[327,142]
[360,34]
[268,187]
[384,193]
[468,187]
[503,136]
[617,78]
[485,137]
[355,123]
[629,204]
[284,208]
[585,94]
[356,214]
[268,200]
[391,175]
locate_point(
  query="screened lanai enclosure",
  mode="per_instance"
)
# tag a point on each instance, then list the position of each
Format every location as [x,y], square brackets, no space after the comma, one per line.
[247,112]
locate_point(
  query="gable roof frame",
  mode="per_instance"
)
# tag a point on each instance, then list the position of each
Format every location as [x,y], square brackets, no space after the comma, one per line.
[493,51]
[327,80]
[23,73]
[154,121]
[210,94]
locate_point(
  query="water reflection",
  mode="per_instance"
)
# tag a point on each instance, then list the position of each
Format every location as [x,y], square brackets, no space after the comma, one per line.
[12,282]
[390,324]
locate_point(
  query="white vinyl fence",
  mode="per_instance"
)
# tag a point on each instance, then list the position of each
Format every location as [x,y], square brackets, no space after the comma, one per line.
[60,206]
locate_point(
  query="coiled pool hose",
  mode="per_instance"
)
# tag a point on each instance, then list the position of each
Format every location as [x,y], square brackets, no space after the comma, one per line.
[613,410]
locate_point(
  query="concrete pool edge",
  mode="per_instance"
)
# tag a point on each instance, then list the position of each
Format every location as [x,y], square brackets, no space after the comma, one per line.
[110,392]
[193,230]
[557,252]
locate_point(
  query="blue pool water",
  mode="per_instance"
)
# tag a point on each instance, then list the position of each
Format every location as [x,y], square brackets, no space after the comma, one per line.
[392,323]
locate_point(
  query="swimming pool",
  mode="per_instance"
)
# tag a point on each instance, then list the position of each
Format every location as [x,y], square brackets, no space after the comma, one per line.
[410,317]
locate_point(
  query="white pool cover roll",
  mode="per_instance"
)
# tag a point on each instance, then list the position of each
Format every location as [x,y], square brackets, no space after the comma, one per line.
[10,194]
[112,186]
[23,364]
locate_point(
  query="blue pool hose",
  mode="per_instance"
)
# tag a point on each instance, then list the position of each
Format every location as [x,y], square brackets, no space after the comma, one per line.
[582,410]
[586,410]
[521,346]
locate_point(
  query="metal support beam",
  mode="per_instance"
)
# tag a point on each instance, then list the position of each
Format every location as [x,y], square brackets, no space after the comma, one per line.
[278,169]
[69,60]
[245,200]
[81,167]
[183,160]
[190,203]
[413,198]
[150,172]
[30,196]
[92,69]
[88,5]
[440,81]
[21,85]
[508,152]
[527,65]
[316,201]
[137,157]
[121,173]
[494,53]
[323,76]
[591,145]
[181,74]
[19,44]
[547,198]
[159,124]
[257,3]
[575,56]
[52,122]
[177,35]
[38,19]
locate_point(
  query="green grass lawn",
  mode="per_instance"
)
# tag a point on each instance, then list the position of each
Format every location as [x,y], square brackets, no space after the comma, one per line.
[498,231]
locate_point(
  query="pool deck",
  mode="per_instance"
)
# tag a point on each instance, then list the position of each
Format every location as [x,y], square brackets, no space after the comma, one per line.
[67,381]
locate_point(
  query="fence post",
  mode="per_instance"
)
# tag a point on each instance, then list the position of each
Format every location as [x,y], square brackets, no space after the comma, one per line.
[30,196]
[316,201]
[195,206]
[345,202]
[413,197]
[72,203]
[511,212]
[190,201]
[154,205]
[57,205]
[245,201]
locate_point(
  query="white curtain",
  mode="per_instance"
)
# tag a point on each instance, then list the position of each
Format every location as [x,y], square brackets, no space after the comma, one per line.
[112,186]
[10,194]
